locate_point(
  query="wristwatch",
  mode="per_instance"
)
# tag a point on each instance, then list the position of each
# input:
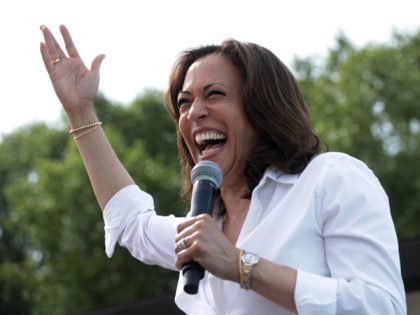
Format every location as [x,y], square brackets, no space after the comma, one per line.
[247,261]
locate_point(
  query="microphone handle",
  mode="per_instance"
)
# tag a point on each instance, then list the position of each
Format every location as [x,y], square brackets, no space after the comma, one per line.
[193,273]
[202,201]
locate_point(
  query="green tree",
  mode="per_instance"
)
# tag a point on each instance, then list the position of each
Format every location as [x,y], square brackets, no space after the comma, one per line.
[52,210]
[18,153]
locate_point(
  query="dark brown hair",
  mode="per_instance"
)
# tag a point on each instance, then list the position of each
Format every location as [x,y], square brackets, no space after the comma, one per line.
[272,102]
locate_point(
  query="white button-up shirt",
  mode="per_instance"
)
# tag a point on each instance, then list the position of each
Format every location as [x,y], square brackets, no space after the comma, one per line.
[331,223]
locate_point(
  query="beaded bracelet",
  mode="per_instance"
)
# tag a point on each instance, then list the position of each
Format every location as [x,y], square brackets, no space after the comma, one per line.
[86,132]
[95,124]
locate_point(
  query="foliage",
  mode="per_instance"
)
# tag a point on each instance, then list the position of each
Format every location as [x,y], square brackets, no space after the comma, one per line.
[52,216]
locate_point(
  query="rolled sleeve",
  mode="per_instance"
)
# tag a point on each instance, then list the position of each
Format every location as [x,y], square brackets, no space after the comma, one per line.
[315,294]
[131,221]
[121,209]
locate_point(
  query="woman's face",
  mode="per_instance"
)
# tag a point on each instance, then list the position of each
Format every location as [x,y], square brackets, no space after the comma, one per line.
[212,122]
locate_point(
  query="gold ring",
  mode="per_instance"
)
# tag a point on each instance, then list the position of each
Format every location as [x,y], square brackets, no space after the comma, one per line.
[56,61]
[184,246]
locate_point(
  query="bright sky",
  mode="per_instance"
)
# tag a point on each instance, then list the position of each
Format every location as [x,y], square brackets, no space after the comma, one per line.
[141,39]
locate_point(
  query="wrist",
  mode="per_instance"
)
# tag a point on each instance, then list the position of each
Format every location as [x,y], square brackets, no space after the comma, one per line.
[247,261]
[236,273]
[81,116]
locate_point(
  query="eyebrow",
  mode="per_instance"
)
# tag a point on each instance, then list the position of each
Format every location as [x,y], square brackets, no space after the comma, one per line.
[205,88]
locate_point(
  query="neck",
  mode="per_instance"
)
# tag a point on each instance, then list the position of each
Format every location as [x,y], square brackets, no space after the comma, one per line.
[236,210]
[232,195]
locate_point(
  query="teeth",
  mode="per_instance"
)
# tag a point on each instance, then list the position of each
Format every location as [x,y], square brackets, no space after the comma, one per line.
[205,136]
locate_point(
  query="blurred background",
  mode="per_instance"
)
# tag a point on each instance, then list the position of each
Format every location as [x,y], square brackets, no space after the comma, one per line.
[357,62]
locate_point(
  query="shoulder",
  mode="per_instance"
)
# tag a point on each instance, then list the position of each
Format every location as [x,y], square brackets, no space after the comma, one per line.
[331,158]
[328,171]
[338,164]
[348,185]
[339,174]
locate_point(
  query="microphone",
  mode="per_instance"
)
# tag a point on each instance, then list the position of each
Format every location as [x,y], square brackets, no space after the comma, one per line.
[206,177]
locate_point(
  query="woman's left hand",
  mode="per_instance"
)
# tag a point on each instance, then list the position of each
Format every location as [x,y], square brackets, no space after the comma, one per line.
[201,240]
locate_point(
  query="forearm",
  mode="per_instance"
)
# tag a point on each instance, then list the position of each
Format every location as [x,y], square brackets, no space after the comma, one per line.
[276,283]
[76,87]
[106,173]
[319,294]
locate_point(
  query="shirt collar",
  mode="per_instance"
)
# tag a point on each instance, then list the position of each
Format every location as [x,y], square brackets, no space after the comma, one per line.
[279,176]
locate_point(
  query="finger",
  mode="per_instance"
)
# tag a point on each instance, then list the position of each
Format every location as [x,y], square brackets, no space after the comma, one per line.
[181,259]
[188,222]
[68,41]
[185,233]
[96,63]
[190,231]
[45,58]
[191,221]
[186,255]
[183,244]
[54,50]
[61,53]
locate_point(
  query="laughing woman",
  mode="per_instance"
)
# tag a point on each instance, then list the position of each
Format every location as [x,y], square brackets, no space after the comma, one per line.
[295,230]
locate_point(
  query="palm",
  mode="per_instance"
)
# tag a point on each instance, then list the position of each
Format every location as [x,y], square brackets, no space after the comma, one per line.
[75,85]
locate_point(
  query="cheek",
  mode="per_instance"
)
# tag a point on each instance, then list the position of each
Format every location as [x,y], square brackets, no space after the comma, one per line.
[182,126]
[252,136]
[184,131]
[249,137]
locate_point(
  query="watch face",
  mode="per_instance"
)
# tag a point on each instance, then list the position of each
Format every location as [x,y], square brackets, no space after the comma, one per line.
[250,259]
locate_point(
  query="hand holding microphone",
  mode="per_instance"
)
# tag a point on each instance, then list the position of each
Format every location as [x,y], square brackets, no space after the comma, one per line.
[206,177]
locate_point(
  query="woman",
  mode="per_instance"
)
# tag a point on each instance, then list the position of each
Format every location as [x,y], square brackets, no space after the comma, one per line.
[294,230]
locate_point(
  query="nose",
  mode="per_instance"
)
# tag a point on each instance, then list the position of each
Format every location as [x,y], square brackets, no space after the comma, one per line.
[198,110]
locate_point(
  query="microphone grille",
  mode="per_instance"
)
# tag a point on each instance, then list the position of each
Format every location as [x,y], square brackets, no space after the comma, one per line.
[207,170]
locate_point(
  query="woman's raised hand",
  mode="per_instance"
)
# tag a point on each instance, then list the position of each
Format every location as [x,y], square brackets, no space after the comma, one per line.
[75,85]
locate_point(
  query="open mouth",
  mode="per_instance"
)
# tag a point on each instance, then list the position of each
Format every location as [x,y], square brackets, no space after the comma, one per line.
[210,141]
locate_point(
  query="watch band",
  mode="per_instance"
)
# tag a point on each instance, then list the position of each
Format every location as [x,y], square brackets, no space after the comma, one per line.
[247,261]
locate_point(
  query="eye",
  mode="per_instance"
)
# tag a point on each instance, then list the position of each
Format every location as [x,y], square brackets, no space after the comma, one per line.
[215,93]
[182,101]
[183,105]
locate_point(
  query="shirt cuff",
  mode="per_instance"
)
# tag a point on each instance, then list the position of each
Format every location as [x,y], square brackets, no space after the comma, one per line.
[125,204]
[315,294]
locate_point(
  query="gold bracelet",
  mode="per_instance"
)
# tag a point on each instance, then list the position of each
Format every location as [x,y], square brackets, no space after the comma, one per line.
[95,124]
[85,133]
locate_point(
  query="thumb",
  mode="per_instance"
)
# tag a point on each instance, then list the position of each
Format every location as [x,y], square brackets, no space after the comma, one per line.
[96,63]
